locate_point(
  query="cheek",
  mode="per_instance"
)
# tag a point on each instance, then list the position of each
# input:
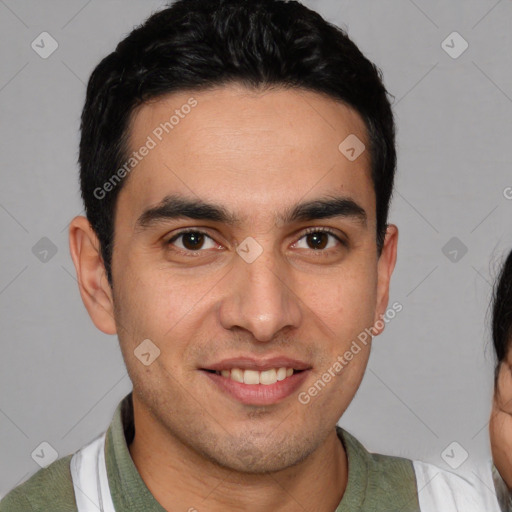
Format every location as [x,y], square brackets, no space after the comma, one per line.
[503,391]
[148,303]
[345,302]
[154,303]
[162,314]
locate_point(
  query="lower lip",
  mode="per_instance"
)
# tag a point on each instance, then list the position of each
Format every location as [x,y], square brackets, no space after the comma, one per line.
[259,394]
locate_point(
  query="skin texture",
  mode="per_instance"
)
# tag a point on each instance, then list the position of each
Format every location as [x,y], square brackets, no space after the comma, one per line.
[258,154]
[500,425]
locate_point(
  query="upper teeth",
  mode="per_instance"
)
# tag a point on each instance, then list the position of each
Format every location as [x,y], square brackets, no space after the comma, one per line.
[255,377]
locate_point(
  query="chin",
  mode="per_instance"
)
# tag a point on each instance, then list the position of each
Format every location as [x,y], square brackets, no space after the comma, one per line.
[245,455]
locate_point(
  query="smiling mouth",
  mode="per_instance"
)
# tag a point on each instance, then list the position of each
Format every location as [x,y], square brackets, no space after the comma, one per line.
[252,377]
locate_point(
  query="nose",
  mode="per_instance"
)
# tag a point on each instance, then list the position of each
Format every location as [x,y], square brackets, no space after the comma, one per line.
[260,298]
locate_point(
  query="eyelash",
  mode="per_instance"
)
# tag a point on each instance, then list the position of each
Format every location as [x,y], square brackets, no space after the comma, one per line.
[308,231]
[323,230]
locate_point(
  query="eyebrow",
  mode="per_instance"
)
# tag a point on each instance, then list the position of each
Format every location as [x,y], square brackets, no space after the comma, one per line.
[327,208]
[177,207]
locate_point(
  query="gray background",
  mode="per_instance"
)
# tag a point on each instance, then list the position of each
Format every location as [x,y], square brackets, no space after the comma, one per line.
[429,380]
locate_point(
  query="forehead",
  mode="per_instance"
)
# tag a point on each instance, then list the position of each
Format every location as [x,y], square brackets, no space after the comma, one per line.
[253,151]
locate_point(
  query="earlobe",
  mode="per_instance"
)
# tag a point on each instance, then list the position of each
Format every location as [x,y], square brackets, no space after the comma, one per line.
[94,287]
[385,267]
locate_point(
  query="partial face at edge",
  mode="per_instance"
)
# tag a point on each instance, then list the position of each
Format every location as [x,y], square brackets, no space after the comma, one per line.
[317,284]
[500,425]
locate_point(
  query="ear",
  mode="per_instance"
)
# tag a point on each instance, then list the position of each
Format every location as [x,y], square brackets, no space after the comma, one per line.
[91,274]
[385,267]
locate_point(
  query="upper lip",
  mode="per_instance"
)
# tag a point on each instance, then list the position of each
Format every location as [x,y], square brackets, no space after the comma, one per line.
[251,363]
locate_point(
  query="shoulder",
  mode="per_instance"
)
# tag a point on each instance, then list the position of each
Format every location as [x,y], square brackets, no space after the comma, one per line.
[377,482]
[387,467]
[471,490]
[503,494]
[50,488]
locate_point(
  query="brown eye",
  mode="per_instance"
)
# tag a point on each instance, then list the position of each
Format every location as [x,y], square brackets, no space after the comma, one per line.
[317,240]
[192,241]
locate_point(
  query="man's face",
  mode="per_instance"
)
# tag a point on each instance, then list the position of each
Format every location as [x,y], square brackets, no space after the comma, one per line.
[269,166]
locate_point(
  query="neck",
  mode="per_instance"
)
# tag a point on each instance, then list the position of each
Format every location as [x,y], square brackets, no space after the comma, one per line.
[181,479]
